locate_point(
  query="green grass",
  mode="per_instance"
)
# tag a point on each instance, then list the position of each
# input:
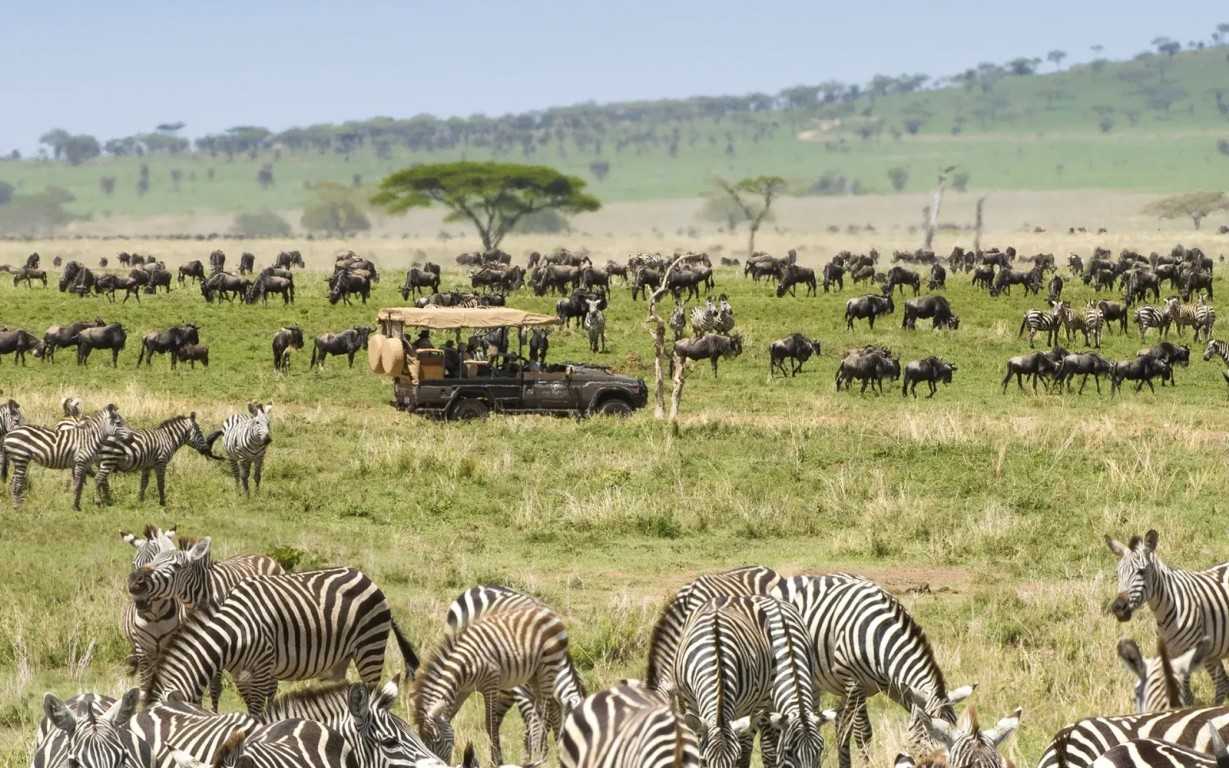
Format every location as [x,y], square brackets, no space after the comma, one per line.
[997,502]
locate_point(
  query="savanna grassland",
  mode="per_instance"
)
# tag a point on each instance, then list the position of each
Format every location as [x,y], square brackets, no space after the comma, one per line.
[984,511]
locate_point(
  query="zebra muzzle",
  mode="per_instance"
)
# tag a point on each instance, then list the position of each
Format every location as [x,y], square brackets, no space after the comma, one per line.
[137,583]
[1121,608]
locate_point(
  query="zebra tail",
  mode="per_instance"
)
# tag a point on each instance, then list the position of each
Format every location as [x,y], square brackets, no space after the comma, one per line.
[408,655]
[209,441]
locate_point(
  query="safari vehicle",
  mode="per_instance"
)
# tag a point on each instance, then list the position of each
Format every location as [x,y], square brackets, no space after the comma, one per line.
[508,384]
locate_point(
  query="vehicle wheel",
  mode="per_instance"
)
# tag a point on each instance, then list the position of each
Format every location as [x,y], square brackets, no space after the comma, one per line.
[614,407]
[469,409]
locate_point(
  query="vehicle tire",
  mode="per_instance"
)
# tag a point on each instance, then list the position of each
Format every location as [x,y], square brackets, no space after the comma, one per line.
[469,409]
[615,406]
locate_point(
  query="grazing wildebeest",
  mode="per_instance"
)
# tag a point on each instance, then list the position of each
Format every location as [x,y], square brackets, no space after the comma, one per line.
[18,342]
[870,365]
[1139,284]
[191,353]
[347,284]
[556,278]
[938,277]
[935,307]
[1195,281]
[899,276]
[288,259]
[614,268]
[193,269]
[161,342]
[112,337]
[247,263]
[28,275]
[577,305]
[224,285]
[109,284]
[286,339]
[69,275]
[1034,365]
[32,261]
[84,283]
[792,275]
[1005,278]
[647,279]
[932,370]
[59,336]
[347,342]
[1084,364]
[862,273]
[1141,370]
[539,345]
[1113,310]
[591,278]
[159,278]
[868,306]
[710,346]
[217,262]
[269,283]
[796,348]
[983,277]
[834,274]
[1172,354]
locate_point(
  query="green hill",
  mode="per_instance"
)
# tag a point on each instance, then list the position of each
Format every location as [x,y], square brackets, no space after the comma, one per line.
[1152,123]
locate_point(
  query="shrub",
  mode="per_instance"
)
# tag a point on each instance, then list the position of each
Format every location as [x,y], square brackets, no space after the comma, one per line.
[899,176]
[335,209]
[260,224]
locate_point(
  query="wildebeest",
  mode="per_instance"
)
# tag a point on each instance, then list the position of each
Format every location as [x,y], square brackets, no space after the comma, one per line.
[614,268]
[1005,278]
[158,278]
[270,283]
[347,284]
[1083,364]
[691,279]
[868,306]
[938,277]
[793,275]
[288,259]
[191,353]
[983,277]
[109,284]
[591,278]
[796,348]
[1034,365]
[557,278]
[710,346]
[1139,284]
[935,307]
[28,275]
[898,276]
[224,285]
[932,370]
[17,342]
[646,280]
[834,274]
[1141,370]
[286,339]
[347,342]
[1172,354]
[870,365]
[247,263]
[539,345]
[1056,288]
[193,269]
[69,274]
[1114,310]
[162,342]
[58,336]
[217,262]
[112,337]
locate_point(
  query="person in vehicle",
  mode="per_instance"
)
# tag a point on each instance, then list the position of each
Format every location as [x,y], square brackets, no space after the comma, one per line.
[452,360]
[423,341]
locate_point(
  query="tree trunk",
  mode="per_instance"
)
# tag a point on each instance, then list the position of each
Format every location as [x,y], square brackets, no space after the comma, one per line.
[676,397]
[1197,217]
[981,201]
[751,239]
[657,332]
[934,214]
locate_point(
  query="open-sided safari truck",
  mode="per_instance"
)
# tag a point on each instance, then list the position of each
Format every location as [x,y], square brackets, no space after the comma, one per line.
[427,381]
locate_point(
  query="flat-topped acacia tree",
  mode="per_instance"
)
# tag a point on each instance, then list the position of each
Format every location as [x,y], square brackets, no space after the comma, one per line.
[492,196]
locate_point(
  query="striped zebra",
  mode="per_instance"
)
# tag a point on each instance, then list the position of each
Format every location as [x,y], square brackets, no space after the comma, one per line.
[145,622]
[713,317]
[866,643]
[1152,753]
[51,743]
[1091,323]
[667,631]
[1149,316]
[1162,683]
[499,651]
[1188,605]
[966,745]
[1216,348]
[595,324]
[104,740]
[1036,320]
[11,418]
[285,744]
[294,626]
[1080,744]
[246,438]
[627,726]
[73,448]
[1201,317]
[149,450]
[678,321]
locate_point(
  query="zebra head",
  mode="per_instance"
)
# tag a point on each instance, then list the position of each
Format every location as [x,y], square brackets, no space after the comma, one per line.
[1163,683]
[799,743]
[436,730]
[111,424]
[100,741]
[382,736]
[1136,573]
[174,573]
[932,705]
[1215,348]
[967,745]
[259,429]
[719,742]
[196,438]
[152,543]
[10,416]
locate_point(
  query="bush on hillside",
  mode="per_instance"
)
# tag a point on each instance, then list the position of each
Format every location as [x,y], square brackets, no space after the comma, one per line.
[260,224]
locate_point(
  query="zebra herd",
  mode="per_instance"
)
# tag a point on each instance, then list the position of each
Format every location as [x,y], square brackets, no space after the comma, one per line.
[103,444]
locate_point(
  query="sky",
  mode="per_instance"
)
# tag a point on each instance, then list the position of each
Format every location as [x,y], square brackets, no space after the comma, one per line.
[121,67]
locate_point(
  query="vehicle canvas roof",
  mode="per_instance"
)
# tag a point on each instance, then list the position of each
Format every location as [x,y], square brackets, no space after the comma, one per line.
[448,318]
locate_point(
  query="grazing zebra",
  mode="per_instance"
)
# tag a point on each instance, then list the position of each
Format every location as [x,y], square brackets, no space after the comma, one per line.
[1036,320]
[1201,317]
[149,450]
[1149,316]
[144,623]
[51,743]
[94,740]
[1163,683]
[11,418]
[1152,753]
[1215,348]
[1188,605]
[1080,744]
[499,651]
[293,626]
[595,323]
[667,631]
[866,643]
[74,448]
[627,726]
[246,438]
[285,744]
[966,745]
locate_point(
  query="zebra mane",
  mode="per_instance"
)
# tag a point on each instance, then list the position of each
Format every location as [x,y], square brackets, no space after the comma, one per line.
[720,662]
[657,638]
[928,651]
[171,421]
[312,694]
[431,673]
[199,616]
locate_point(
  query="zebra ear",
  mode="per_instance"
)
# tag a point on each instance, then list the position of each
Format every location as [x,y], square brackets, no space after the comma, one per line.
[961,693]
[903,761]
[470,760]
[389,692]
[184,760]
[741,725]
[1117,547]
[130,539]
[1216,745]
[1004,728]
[122,711]
[192,416]
[1151,538]
[253,408]
[1130,654]
[358,702]
[200,549]
[58,713]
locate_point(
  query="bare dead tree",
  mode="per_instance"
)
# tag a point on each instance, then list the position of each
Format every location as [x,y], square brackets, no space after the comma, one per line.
[977,229]
[932,222]
[657,331]
[767,188]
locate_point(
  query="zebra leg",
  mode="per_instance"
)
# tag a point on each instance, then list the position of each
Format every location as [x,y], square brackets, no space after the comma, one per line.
[78,482]
[102,488]
[862,731]
[257,465]
[160,474]
[234,470]
[1217,670]
[144,483]
[490,700]
[18,487]
[770,735]
[245,469]
[746,745]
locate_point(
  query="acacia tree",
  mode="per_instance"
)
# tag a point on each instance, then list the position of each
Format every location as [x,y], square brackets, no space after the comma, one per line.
[1196,205]
[744,194]
[492,196]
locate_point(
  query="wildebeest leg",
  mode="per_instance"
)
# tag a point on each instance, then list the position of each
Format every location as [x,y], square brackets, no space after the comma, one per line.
[1097,380]
[714,362]
[144,483]
[350,357]
[115,357]
[257,465]
[933,388]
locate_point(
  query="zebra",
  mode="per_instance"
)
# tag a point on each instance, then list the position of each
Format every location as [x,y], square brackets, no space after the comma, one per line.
[865,643]
[1081,743]
[499,651]
[11,418]
[713,317]
[288,627]
[1188,605]
[1215,348]
[595,324]
[149,450]
[966,745]
[145,622]
[1152,753]
[51,743]
[73,448]
[1036,320]
[1149,316]
[627,726]
[94,740]
[1163,683]
[1201,317]
[285,744]
[678,321]
[246,438]
[668,629]
[1090,322]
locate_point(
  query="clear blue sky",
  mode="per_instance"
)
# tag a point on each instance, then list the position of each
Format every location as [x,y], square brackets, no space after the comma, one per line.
[120,67]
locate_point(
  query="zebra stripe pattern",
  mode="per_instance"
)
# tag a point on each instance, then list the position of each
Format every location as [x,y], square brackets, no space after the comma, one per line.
[1151,753]
[319,621]
[149,450]
[144,623]
[73,448]
[1201,317]
[1162,683]
[11,418]
[286,744]
[1217,348]
[499,651]
[99,740]
[966,745]
[190,576]
[791,736]
[1036,321]
[246,437]
[627,726]
[1149,316]
[1081,743]
[1188,605]
[51,743]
